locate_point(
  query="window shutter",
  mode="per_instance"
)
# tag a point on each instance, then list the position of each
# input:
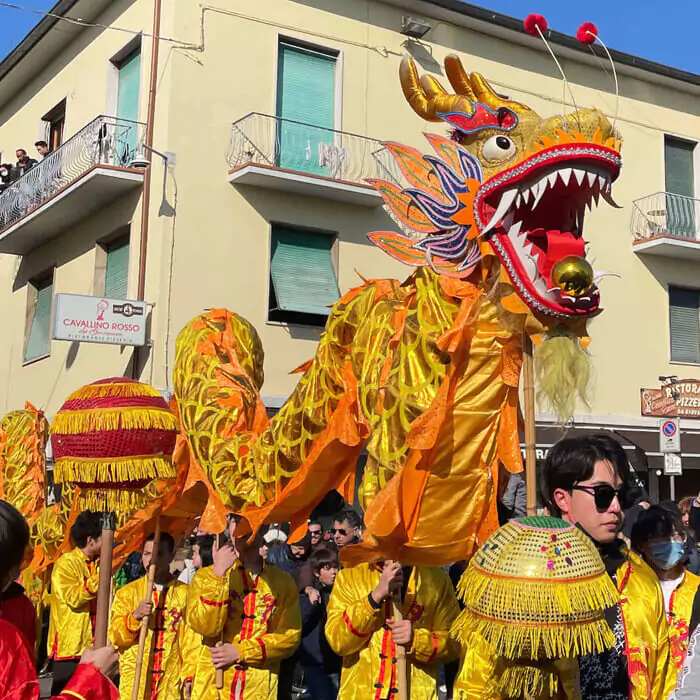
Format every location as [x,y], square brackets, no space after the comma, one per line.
[39,340]
[684,312]
[305,94]
[678,158]
[117,271]
[302,271]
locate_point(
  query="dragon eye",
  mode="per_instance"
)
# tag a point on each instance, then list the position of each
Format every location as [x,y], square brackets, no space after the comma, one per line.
[499,148]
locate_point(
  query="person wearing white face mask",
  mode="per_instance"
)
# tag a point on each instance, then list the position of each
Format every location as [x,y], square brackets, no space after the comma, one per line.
[660,537]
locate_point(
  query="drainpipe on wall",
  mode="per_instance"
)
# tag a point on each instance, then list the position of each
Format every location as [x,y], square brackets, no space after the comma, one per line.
[146,201]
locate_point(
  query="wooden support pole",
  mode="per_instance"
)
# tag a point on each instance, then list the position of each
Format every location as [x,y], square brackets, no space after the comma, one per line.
[530,432]
[401,665]
[104,597]
[143,632]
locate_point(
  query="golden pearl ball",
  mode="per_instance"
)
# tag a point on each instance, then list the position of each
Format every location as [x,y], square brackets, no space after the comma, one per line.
[573,275]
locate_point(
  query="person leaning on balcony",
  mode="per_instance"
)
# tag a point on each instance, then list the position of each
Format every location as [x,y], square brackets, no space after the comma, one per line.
[6,177]
[42,148]
[24,163]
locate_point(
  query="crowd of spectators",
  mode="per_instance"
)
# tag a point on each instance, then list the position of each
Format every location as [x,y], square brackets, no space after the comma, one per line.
[9,173]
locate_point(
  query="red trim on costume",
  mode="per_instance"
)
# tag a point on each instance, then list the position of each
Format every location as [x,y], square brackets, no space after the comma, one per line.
[214,603]
[435,648]
[159,629]
[346,618]
[250,585]
[88,682]
[263,650]
[393,669]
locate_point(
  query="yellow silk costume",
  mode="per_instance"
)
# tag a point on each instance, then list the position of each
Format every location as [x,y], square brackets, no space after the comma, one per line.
[358,632]
[74,584]
[647,648]
[680,609]
[257,614]
[161,664]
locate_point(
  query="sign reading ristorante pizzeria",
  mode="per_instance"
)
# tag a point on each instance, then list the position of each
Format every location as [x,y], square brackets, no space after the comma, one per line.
[96,320]
[680,399]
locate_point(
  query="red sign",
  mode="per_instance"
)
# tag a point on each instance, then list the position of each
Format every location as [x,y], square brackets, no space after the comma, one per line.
[681,399]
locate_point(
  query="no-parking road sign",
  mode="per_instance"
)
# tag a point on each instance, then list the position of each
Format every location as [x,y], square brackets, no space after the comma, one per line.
[670,435]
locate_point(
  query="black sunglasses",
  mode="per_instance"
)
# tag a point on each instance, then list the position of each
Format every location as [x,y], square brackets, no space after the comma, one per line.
[603,494]
[342,532]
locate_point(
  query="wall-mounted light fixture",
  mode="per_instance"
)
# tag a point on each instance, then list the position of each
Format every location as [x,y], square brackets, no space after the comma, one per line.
[415,28]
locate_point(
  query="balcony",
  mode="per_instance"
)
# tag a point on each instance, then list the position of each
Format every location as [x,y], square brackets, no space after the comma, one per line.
[667,225]
[86,174]
[281,154]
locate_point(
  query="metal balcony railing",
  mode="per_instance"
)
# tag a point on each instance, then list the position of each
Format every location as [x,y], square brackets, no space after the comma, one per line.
[104,141]
[282,143]
[666,214]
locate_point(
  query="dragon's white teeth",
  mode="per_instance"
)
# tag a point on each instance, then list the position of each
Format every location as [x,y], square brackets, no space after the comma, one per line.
[552,178]
[596,195]
[591,178]
[525,195]
[514,230]
[580,174]
[507,199]
[565,175]
[600,274]
[607,196]
[602,182]
[518,200]
[538,190]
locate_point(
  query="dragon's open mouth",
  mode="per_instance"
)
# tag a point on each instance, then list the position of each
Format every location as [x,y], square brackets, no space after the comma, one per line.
[534,213]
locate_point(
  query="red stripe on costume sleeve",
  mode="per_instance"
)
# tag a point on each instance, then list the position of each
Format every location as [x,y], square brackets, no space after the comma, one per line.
[214,603]
[263,650]
[435,648]
[88,683]
[352,629]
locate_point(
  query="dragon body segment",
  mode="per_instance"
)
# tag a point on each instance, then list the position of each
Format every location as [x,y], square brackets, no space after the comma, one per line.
[423,374]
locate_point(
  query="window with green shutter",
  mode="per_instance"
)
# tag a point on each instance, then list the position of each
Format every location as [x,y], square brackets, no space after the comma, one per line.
[680,187]
[39,333]
[306,106]
[303,280]
[684,315]
[117,269]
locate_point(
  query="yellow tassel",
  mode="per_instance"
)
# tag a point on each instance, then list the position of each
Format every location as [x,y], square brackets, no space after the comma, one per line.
[113,469]
[125,389]
[122,503]
[104,419]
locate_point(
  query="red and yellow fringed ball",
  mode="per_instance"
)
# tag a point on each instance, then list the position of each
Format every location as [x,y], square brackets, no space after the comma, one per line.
[111,439]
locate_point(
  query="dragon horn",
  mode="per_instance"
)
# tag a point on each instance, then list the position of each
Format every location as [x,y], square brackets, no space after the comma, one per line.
[427,97]
[458,77]
[488,96]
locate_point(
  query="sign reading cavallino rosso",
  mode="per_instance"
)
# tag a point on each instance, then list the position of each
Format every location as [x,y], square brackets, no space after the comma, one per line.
[680,399]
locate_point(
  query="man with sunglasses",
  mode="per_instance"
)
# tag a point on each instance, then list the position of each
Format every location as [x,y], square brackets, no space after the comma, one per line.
[347,528]
[586,481]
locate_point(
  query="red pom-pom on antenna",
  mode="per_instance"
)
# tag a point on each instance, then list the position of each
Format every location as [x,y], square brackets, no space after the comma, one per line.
[534,22]
[587,33]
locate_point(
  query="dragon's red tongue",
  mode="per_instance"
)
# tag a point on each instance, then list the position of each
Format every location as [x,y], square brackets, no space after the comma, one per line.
[553,246]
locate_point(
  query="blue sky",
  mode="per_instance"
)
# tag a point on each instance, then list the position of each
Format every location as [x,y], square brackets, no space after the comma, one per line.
[666,32]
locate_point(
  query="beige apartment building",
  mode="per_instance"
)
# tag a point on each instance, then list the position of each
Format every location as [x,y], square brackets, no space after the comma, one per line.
[267,120]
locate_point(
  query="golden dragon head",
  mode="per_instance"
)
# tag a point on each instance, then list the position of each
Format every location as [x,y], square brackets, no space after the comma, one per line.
[508,183]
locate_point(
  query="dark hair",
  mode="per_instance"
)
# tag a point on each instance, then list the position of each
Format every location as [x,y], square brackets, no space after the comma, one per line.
[41,143]
[656,522]
[573,460]
[322,557]
[164,537]
[87,524]
[23,150]
[349,514]
[316,522]
[14,538]
[206,547]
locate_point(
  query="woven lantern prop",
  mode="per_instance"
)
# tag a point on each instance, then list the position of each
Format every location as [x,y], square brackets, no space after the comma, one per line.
[111,439]
[536,593]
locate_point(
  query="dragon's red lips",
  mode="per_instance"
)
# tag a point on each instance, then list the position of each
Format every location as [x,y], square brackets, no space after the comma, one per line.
[534,214]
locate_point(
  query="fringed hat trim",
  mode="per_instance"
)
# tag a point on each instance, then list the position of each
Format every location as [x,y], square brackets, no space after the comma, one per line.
[121,389]
[104,419]
[522,598]
[118,502]
[513,639]
[527,681]
[113,469]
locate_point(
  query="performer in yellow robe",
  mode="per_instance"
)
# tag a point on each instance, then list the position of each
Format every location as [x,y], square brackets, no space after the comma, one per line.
[161,663]
[74,584]
[360,629]
[254,610]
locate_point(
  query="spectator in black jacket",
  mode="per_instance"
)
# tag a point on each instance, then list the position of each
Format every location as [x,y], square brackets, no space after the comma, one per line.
[290,556]
[321,665]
